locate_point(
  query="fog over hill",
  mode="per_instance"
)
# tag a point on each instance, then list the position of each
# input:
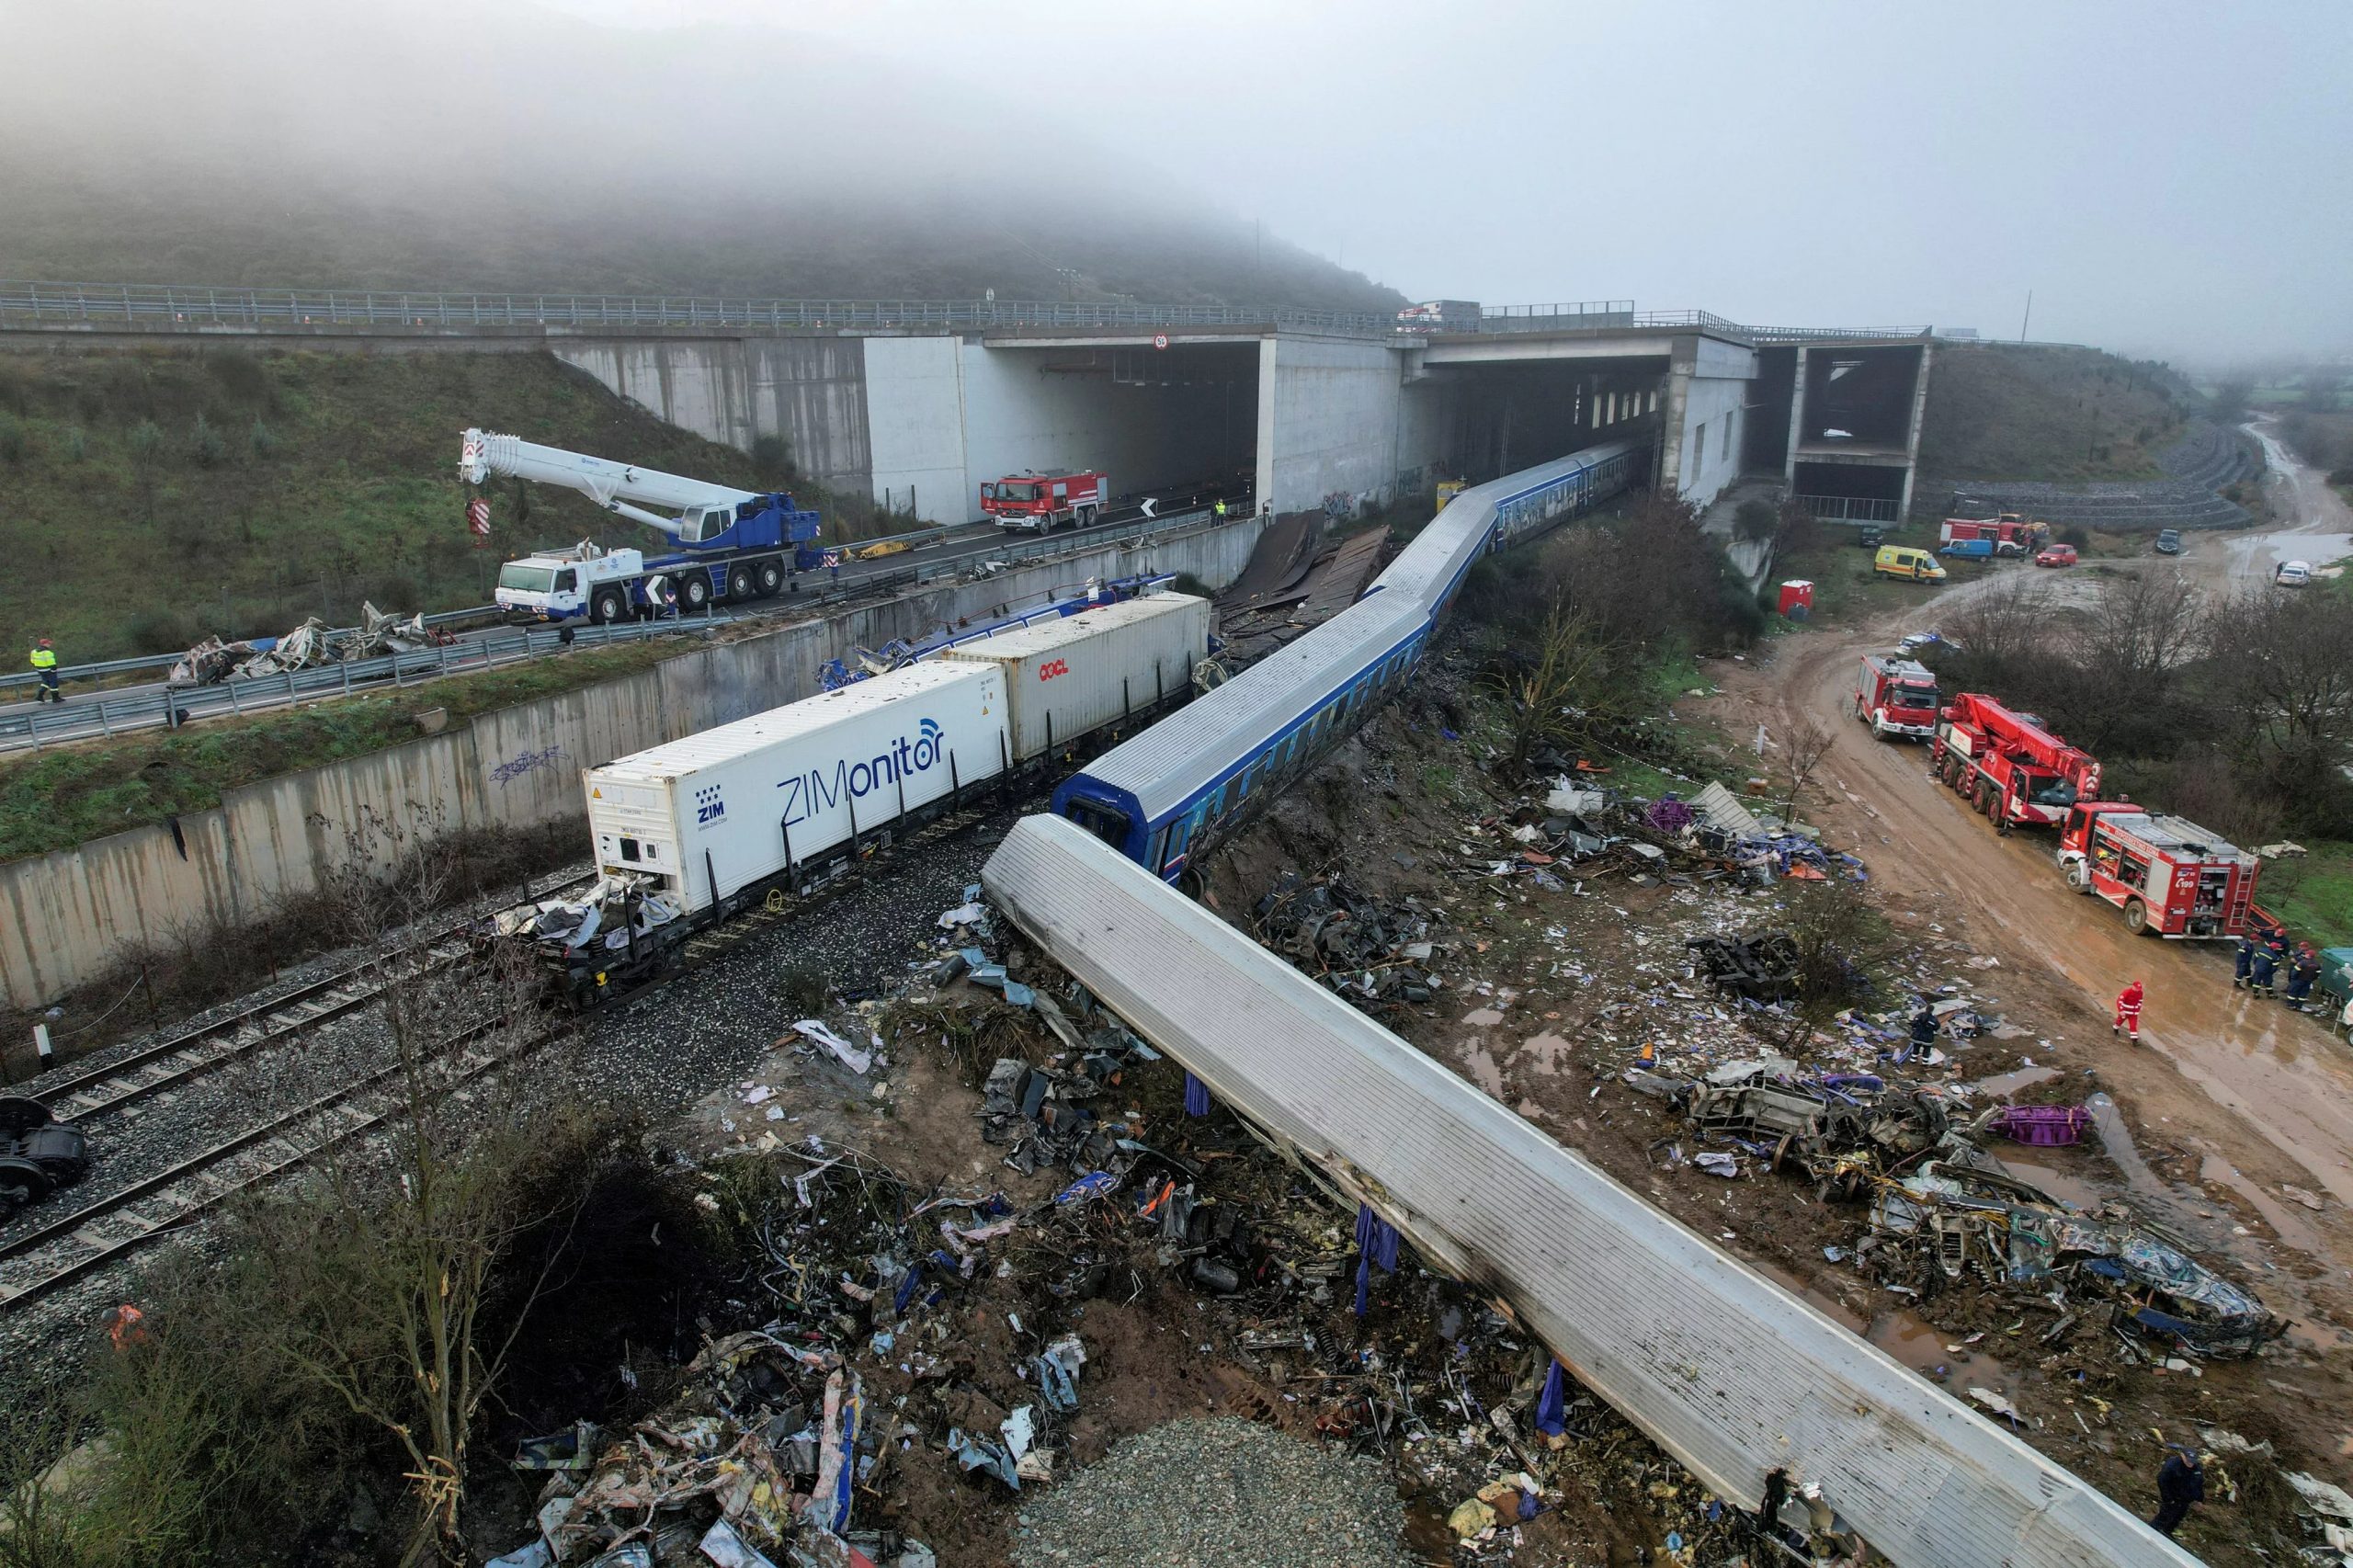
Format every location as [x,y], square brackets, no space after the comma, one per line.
[421,144]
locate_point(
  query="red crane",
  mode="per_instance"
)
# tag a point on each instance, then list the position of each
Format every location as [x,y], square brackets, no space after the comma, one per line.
[2011,768]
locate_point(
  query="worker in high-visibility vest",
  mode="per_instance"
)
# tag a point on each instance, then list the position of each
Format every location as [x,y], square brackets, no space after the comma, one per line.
[45,666]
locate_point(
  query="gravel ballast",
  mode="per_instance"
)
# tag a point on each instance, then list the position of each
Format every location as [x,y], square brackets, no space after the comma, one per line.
[1217,1493]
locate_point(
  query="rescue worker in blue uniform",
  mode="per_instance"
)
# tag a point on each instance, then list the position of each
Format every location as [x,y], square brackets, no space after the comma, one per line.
[2246,960]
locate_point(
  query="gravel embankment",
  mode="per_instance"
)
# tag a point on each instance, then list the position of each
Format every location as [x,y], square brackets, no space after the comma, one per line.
[1217,1493]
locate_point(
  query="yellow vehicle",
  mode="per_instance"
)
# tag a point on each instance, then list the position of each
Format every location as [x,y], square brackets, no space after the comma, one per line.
[1447,489]
[1908,562]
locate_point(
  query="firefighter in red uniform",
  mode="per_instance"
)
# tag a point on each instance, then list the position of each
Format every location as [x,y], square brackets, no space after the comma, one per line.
[2128,1013]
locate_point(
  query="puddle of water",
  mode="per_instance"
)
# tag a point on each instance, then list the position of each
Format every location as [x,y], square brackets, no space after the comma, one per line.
[2117,1140]
[2008,1084]
[1828,1305]
[1922,1347]
[1480,1063]
[2064,1186]
[1483,1018]
[2292,1225]
[1546,1052]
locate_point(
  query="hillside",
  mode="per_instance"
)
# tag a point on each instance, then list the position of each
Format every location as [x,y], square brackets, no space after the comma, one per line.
[2065,415]
[153,498]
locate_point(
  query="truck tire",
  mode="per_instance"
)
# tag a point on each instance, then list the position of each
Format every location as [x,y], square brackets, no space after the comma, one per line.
[2079,876]
[607,607]
[739,583]
[1087,517]
[770,578]
[2136,917]
[694,591]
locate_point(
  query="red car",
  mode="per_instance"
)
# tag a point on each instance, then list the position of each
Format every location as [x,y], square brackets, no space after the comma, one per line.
[2056,556]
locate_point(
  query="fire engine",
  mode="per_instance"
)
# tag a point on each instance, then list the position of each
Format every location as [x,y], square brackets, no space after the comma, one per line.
[1896,696]
[1040,503]
[2169,875]
[2011,768]
[2009,534]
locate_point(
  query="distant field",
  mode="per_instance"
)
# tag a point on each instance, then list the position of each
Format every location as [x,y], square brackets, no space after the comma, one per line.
[152,498]
[2066,415]
[2314,894]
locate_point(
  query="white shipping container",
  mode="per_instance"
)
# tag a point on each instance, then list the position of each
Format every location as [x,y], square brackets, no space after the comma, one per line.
[717,811]
[1066,676]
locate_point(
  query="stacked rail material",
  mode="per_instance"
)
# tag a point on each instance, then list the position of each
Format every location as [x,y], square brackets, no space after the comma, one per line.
[1725,1370]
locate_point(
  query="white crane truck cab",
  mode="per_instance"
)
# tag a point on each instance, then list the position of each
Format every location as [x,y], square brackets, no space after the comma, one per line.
[564,585]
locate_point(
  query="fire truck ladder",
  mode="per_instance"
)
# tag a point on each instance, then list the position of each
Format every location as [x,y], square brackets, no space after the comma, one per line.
[2241,902]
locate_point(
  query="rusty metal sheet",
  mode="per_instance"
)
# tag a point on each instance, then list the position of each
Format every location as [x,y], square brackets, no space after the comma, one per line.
[1723,1368]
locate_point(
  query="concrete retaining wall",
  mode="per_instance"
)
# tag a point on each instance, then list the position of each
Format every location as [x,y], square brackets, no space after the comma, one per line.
[65,918]
[1332,421]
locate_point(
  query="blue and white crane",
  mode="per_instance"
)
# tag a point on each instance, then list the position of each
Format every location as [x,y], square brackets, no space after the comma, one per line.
[730,544]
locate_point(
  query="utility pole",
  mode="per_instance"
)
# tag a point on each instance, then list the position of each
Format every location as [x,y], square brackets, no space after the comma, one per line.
[2028,317]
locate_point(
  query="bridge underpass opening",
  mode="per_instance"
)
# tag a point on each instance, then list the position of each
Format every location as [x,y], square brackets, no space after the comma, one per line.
[1503,417]
[1851,492]
[1155,420]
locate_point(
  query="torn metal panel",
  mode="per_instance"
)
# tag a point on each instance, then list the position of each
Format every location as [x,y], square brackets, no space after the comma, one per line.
[1724,1369]
[1720,810]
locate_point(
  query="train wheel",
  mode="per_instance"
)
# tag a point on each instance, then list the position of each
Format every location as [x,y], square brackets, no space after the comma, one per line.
[22,1181]
[19,1115]
[2136,916]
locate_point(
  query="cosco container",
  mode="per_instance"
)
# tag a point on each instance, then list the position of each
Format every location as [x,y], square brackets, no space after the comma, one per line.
[1067,676]
[718,812]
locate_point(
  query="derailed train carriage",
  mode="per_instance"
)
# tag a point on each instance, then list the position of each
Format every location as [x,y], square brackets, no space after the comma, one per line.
[1163,796]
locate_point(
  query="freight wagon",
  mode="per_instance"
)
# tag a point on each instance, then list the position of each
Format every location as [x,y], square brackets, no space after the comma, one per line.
[688,833]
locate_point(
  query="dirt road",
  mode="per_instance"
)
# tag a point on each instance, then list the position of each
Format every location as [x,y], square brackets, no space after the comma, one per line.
[2261,1097]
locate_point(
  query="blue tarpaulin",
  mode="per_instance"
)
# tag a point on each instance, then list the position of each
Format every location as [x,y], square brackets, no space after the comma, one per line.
[1376,1243]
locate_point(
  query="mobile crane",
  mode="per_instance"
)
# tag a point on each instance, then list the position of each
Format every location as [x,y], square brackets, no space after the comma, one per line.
[734,545]
[2009,765]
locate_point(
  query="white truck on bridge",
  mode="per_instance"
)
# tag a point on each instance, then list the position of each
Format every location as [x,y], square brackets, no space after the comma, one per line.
[730,545]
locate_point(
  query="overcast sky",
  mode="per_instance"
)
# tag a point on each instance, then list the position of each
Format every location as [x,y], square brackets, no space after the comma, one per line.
[2166,177]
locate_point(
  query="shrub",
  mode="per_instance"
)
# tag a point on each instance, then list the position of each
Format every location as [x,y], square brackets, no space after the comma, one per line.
[163,631]
[147,441]
[205,444]
[77,443]
[2075,534]
[263,439]
[1754,520]
[774,454]
[15,441]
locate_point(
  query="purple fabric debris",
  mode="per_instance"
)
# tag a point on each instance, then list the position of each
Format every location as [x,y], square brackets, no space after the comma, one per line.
[1376,1243]
[1552,1405]
[1197,1097]
[1668,814]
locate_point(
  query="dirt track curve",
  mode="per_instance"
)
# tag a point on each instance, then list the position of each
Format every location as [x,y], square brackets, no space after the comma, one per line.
[2263,1095]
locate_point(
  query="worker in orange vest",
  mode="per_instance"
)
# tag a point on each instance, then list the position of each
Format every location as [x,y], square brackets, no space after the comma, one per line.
[2128,1013]
[126,1326]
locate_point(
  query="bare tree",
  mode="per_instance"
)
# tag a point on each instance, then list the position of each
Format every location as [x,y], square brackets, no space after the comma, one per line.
[2285,667]
[1839,940]
[1556,690]
[1802,753]
[387,1257]
[2127,653]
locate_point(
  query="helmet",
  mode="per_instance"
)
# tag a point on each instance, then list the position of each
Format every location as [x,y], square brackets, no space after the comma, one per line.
[44,642]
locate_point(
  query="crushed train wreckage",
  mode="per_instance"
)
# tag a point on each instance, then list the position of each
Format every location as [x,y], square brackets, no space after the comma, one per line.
[1943,1210]
[308,646]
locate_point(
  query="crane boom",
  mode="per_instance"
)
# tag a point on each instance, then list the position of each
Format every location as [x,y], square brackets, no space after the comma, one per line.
[625,488]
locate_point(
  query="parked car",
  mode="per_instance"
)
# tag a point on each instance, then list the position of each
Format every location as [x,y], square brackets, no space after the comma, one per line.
[1916,640]
[1869,537]
[2292,573]
[2056,556]
[2168,541]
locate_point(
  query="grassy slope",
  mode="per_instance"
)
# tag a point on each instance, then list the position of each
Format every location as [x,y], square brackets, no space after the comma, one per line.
[335,482]
[2314,894]
[56,798]
[2063,415]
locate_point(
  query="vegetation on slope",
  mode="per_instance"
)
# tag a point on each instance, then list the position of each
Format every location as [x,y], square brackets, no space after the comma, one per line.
[2062,414]
[157,497]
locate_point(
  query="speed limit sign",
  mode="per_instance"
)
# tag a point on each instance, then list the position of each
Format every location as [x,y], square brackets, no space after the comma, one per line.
[1160,340]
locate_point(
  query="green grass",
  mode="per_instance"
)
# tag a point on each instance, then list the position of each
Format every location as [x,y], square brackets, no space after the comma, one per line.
[1845,589]
[54,800]
[319,481]
[2314,894]
[2062,414]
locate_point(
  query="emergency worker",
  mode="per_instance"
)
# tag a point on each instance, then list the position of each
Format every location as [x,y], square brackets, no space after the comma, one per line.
[44,661]
[2128,1013]
[2262,966]
[2181,1485]
[2302,973]
[2246,960]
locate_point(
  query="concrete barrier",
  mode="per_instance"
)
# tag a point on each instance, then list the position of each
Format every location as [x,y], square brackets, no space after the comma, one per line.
[67,918]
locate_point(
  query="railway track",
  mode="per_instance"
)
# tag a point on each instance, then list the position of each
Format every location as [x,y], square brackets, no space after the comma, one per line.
[102,1232]
[179,1059]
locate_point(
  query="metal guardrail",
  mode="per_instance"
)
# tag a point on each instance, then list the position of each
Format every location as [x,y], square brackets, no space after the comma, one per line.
[40,725]
[177,306]
[1850,508]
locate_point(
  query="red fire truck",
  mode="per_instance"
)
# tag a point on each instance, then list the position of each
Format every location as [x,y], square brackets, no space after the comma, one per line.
[2009,765]
[1039,503]
[1896,696]
[2009,534]
[2169,875]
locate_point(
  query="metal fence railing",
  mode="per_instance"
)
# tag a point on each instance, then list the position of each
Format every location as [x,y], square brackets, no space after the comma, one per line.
[172,307]
[37,725]
[1851,509]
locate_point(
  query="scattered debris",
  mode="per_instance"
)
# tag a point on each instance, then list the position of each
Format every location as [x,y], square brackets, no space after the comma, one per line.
[310,644]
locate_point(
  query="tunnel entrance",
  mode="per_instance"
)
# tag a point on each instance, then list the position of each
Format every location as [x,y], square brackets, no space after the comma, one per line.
[1850,491]
[1503,417]
[1159,422]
